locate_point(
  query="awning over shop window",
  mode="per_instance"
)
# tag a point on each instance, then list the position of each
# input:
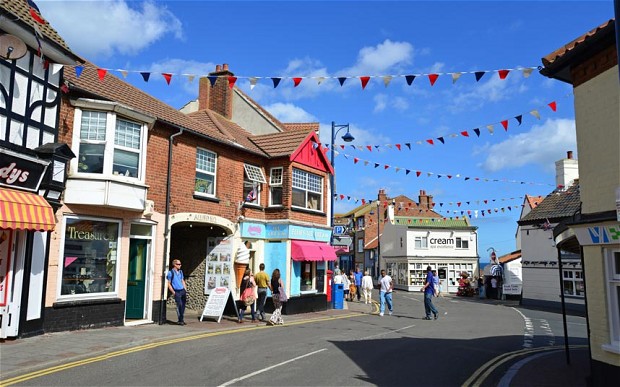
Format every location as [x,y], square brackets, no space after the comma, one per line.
[312,251]
[25,211]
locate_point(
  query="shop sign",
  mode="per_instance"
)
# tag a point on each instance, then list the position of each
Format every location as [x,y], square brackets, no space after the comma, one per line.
[512,288]
[216,303]
[441,243]
[21,171]
[252,230]
[277,231]
[598,235]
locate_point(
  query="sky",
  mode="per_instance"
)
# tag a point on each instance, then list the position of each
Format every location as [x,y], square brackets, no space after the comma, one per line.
[321,41]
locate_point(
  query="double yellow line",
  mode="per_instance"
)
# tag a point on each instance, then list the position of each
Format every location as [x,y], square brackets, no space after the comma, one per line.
[78,363]
[482,373]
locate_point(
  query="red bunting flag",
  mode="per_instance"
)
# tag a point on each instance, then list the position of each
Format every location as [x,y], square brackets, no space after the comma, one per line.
[341,197]
[458,204]
[296,81]
[430,141]
[167,76]
[363,201]
[231,81]
[102,73]
[386,166]
[418,173]
[433,78]
[503,74]
[369,147]
[465,133]
[505,125]
[398,146]
[355,160]
[364,81]
[35,15]
[553,106]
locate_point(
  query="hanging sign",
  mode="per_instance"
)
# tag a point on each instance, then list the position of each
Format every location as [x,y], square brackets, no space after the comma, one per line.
[18,170]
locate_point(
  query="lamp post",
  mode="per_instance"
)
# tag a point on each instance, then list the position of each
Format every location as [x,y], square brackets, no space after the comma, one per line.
[378,238]
[347,137]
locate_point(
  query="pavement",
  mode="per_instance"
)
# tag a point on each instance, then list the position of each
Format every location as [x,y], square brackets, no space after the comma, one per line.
[54,351]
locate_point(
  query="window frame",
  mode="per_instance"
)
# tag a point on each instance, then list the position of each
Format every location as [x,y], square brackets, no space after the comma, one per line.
[422,238]
[458,243]
[360,245]
[575,278]
[114,113]
[276,185]
[252,176]
[206,172]
[306,190]
[612,273]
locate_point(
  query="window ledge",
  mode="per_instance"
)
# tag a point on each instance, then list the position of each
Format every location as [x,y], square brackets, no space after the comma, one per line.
[206,198]
[86,301]
[613,347]
[251,205]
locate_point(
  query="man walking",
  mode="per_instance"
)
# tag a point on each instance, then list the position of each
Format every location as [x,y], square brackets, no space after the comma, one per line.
[178,289]
[358,283]
[429,292]
[386,293]
[262,282]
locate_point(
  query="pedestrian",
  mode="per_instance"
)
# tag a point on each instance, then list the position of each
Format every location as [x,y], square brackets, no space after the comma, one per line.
[494,291]
[247,282]
[345,284]
[440,288]
[436,283]
[385,293]
[276,285]
[358,283]
[367,286]
[481,287]
[429,291]
[337,277]
[352,286]
[178,289]
[262,282]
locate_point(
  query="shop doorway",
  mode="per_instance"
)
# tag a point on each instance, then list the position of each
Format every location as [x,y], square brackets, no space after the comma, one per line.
[12,254]
[136,279]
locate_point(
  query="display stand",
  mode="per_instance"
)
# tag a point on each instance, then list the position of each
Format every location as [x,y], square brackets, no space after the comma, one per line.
[216,303]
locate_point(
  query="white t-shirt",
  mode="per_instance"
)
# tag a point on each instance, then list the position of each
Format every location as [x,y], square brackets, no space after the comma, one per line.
[367,282]
[493,283]
[338,279]
[386,284]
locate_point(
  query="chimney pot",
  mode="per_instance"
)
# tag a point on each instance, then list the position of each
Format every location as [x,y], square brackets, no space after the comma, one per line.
[569,154]
[218,68]
[225,67]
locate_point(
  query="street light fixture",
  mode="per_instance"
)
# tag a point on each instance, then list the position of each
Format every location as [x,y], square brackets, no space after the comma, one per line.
[378,239]
[347,137]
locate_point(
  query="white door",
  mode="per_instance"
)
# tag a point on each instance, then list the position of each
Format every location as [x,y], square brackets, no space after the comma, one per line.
[12,249]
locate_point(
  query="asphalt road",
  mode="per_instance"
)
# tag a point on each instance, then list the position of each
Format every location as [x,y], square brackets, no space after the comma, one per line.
[366,349]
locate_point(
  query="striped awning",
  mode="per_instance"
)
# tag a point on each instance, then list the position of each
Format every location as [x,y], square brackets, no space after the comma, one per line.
[25,211]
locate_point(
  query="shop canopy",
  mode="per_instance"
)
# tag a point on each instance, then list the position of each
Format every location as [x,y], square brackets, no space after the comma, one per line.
[25,211]
[312,251]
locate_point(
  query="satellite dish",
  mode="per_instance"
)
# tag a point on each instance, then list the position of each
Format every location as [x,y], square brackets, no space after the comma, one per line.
[12,47]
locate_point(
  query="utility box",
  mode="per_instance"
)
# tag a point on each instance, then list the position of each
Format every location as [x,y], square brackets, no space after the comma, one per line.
[338,296]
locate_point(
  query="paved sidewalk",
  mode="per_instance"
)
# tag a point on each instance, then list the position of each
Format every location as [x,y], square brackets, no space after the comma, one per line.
[22,356]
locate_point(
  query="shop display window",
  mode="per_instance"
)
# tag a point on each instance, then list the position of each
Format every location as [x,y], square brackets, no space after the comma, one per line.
[89,263]
[307,276]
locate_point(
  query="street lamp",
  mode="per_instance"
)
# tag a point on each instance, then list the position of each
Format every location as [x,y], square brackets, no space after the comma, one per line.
[347,137]
[378,238]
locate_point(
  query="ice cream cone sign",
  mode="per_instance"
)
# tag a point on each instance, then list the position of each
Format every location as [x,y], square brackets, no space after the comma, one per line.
[242,261]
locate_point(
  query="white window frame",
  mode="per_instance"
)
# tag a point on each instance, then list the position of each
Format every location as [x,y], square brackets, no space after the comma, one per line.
[206,172]
[255,176]
[360,245]
[423,242]
[113,112]
[276,181]
[612,269]
[118,263]
[460,241]
[576,276]
[304,186]
[360,223]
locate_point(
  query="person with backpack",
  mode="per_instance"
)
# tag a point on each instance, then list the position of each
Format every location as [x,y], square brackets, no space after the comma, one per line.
[178,289]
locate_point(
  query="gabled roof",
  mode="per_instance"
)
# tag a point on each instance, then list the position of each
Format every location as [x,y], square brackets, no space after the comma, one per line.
[533,201]
[510,257]
[424,223]
[307,126]
[280,144]
[557,205]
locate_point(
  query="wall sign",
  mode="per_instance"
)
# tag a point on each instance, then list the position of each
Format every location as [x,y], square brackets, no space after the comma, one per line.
[17,170]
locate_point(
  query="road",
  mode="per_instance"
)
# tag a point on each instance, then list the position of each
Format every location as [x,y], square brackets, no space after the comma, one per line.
[472,343]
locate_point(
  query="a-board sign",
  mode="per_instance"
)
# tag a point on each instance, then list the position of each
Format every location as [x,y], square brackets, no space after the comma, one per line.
[216,303]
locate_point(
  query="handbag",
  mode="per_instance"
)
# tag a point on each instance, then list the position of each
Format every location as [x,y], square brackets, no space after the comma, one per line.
[283,297]
[248,296]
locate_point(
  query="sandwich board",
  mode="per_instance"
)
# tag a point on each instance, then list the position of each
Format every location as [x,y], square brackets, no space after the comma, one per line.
[216,303]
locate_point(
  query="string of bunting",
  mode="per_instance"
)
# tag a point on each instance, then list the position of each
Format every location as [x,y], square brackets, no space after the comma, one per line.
[553,105]
[276,81]
[342,197]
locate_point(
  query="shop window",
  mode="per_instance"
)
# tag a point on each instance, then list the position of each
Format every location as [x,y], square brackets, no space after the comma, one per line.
[612,257]
[252,179]
[109,144]
[89,259]
[307,190]
[307,283]
[573,282]
[205,172]
[275,186]
[462,243]
[421,242]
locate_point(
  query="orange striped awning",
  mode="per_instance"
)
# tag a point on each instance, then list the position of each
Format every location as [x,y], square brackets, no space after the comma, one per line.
[25,211]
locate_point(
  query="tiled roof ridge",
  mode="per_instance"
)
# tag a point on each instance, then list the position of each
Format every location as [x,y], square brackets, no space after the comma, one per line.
[565,49]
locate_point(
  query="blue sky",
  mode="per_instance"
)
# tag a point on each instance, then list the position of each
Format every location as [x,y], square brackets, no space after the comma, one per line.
[369,38]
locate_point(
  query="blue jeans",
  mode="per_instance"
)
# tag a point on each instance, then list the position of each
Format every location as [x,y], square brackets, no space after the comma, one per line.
[428,305]
[260,303]
[180,297]
[385,298]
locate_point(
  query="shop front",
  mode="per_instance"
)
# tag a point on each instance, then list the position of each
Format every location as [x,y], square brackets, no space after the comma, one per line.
[301,253]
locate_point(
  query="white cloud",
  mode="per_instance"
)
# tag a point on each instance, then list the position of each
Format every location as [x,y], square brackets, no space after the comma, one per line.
[363,137]
[106,27]
[287,112]
[541,146]
[377,60]
[494,89]
[179,67]
[382,101]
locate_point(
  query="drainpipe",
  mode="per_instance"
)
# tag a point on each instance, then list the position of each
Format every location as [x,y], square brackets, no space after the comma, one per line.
[164,265]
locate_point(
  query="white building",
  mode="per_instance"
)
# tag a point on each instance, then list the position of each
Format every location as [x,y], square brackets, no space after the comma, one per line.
[410,244]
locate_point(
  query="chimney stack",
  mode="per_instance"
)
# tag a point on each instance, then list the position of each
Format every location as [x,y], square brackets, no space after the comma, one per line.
[219,96]
[566,171]
[382,197]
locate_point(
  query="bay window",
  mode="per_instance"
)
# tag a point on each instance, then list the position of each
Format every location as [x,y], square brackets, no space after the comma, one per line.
[204,184]
[307,190]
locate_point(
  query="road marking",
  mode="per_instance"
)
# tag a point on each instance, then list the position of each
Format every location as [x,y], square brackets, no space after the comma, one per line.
[228,383]
[512,371]
[385,333]
[110,355]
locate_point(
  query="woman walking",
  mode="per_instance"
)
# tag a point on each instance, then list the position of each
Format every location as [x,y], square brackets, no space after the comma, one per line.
[247,283]
[277,289]
[367,286]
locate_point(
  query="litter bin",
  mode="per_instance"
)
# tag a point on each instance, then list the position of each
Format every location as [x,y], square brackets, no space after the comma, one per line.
[338,296]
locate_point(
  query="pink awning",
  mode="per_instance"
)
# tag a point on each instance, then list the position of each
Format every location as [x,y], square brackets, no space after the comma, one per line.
[312,251]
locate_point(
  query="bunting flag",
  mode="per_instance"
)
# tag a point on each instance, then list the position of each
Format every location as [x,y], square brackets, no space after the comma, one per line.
[455,77]
[101,73]
[231,81]
[145,76]
[167,77]
[479,75]
[364,81]
[276,82]
[409,79]
[503,74]
[35,13]
[296,81]
[433,78]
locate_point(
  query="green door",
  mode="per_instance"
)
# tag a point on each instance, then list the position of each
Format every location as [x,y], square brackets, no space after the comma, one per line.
[136,278]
